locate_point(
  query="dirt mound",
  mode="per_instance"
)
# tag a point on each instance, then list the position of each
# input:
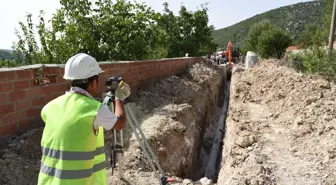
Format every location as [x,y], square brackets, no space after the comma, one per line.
[20,158]
[280,129]
[174,113]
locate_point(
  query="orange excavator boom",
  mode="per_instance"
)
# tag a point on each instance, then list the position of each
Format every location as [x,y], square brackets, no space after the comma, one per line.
[229,51]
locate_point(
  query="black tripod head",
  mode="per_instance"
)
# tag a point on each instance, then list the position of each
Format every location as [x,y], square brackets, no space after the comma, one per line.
[113,82]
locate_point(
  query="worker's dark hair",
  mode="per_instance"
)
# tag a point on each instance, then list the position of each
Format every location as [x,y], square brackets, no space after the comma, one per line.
[84,83]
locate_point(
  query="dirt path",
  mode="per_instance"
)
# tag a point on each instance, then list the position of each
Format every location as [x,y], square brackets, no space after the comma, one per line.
[280,129]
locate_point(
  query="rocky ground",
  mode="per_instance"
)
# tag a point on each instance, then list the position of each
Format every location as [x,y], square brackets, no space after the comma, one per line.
[176,115]
[280,129]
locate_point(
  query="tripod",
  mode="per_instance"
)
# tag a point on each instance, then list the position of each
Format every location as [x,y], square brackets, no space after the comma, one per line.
[117,147]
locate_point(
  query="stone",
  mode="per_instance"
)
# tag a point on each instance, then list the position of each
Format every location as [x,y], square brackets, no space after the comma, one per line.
[187,182]
[245,141]
[206,181]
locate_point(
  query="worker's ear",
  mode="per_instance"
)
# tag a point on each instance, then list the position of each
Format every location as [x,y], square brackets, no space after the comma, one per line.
[95,83]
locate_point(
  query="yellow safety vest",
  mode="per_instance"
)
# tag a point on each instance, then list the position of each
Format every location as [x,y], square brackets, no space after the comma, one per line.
[72,154]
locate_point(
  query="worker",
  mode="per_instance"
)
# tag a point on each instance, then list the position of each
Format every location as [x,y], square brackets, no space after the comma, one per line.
[73,139]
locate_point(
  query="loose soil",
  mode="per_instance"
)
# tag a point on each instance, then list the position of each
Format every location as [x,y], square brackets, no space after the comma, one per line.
[176,115]
[280,129]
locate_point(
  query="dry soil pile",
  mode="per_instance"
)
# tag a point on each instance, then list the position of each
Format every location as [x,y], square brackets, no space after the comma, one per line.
[176,115]
[172,114]
[280,129]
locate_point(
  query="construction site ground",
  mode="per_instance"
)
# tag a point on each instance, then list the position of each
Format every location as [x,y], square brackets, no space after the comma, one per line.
[280,130]
[176,115]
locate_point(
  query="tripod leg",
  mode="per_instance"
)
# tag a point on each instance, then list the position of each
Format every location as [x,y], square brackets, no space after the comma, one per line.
[142,145]
[145,142]
[121,156]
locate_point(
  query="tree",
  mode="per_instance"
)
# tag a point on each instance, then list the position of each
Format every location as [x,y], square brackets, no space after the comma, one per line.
[305,39]
[273,43]
[267,40]
[320,38]
[118,30]
[251,43]
[187,33]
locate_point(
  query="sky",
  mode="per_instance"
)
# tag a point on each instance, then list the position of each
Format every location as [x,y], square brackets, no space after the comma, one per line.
[222,13]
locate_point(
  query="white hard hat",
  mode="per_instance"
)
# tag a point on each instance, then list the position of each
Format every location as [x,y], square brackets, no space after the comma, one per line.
[81,66]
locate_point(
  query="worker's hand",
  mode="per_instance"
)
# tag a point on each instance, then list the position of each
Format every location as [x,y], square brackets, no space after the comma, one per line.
[123,91]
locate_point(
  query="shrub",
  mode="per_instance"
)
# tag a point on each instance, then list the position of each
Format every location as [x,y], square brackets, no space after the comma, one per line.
[315,60]
[267,40]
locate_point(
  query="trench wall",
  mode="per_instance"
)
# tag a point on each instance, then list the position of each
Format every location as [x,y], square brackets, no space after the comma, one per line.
[25,90]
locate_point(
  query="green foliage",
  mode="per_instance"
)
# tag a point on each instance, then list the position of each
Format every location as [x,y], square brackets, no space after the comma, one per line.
[187,33]
[273,43]
[317,35]
[305,39]
[119,30]
[291,18]
[315,60]
[267,40]
[251,43]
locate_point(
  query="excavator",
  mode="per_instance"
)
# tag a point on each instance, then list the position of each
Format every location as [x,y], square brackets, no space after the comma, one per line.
[230,56]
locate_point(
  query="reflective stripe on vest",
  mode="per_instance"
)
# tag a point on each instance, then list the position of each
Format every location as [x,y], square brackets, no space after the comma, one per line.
[65,155]
[71,153]
[71,174]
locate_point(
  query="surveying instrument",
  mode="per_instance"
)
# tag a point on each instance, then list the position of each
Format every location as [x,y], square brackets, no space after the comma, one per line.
[117,148]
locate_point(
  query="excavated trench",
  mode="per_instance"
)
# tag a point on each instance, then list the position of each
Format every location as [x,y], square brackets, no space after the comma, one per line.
[210,165]
[183,119]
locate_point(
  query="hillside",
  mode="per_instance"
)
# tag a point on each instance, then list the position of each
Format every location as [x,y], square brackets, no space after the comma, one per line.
[292,18]
[6,54]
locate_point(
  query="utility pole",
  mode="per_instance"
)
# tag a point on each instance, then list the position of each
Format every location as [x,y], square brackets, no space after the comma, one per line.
[332,28]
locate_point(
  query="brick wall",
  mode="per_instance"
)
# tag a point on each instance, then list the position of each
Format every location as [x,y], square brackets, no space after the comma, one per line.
[25,90]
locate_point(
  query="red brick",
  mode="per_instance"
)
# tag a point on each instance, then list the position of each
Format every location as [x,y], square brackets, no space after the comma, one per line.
[38,101]
[121,70]
[60,79]
[61,71]
[48,89]
[3,98]
[16,116]
[8,129]
[52,96]
[105,67]
[17,95]
[32,92]
[6,108]
[130,77]
[23,104]
[144,69]
[53,70]
[6,86]
[24,74]
[24,124]
[33,112]
[3,119]
[33,83]
[61,87]
[116,65]
[21,85]
[7,76]
[52,79]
